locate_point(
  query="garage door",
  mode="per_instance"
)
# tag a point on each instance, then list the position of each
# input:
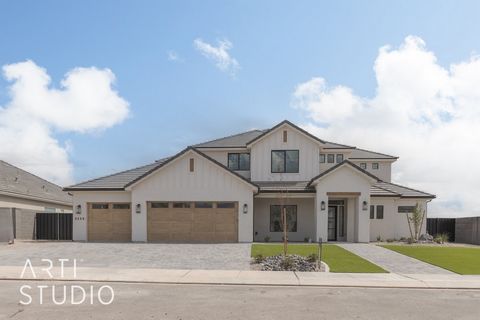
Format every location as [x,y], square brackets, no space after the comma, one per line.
[109,222]
[192,222]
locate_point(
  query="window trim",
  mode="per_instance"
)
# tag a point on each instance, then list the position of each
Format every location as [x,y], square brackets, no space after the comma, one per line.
[237,154]
[363,165]
[285,205]
[372,212]
[383,211]
[284,161]
[375,164]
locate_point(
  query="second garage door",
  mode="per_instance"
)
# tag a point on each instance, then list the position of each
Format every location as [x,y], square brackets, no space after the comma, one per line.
[205,222]
[109,222]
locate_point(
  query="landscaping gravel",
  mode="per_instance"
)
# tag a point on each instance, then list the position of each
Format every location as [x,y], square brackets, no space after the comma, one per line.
[289,263]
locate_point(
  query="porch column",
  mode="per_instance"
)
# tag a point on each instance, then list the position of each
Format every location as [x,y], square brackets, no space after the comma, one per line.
[362,218]
[321,217]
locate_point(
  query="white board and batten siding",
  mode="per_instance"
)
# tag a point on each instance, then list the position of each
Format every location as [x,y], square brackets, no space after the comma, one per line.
[208,182]
[260,156]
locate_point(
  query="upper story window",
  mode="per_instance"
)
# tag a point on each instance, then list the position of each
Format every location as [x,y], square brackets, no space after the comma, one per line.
[285,161]
[375,166]
[330,158]
[363,165]
[322,158]
[339,158]
[239,161]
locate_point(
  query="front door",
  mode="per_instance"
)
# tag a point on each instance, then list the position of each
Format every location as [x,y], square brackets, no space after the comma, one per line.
[332,223]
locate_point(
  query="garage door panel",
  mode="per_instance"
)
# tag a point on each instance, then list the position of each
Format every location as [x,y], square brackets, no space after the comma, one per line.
[109,224]
[192,224]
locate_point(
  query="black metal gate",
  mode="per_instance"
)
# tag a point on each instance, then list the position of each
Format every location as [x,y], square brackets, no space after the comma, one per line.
[441,225]
[53,226]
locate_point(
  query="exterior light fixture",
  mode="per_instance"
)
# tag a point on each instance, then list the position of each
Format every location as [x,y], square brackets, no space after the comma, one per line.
[245,208]
[78,209]
[138,208]
[365,205]
[322,205]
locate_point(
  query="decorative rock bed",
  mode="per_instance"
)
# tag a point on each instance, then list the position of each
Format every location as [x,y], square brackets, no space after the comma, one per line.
[291,262]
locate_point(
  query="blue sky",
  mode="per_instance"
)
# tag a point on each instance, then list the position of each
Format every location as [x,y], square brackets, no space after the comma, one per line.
[173,104]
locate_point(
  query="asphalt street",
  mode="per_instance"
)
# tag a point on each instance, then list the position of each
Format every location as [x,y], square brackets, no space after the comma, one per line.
[160,301]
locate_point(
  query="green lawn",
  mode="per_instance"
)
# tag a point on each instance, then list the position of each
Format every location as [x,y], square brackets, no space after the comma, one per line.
[462,260]
[337,258]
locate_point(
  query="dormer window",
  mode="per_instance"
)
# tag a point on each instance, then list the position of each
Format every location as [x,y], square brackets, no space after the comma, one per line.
[239,161]
[285,161]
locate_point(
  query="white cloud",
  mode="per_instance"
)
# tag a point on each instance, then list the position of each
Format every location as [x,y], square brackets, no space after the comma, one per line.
[85,102]
[173,56]
[219,55]
[424,113]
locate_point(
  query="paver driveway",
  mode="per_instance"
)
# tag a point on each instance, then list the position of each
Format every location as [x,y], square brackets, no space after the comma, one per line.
[392,261]
[232,256]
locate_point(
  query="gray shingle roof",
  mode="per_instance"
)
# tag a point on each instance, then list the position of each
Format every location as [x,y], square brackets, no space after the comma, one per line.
[234,141]
[383,188]
[20,183]
[116,181]
[366,154]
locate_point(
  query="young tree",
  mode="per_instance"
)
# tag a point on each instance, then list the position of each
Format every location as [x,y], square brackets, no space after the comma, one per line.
[415,221]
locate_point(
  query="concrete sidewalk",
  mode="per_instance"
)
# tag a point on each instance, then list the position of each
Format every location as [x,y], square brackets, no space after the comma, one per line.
[239,277]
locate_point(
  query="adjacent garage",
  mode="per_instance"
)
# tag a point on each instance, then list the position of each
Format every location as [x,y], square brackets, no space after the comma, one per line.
[205,222]
[109,222]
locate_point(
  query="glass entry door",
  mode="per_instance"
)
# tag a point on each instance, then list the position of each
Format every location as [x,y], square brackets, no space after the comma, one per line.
[332,223]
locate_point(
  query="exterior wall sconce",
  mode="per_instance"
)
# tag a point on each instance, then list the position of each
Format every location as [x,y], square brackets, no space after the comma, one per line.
[322,205]
[365,205]
[78,209]
[245,208]
[138,208]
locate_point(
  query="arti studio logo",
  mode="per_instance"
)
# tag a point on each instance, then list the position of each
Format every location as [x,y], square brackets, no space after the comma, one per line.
[62,294]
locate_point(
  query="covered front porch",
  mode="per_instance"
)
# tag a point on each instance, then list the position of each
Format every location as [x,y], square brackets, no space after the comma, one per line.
[302,217]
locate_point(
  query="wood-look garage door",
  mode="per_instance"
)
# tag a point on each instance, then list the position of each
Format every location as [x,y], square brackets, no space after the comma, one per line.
[109,222]
[206,222]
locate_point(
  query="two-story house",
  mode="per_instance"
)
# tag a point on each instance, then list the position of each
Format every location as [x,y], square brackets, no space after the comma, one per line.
[234,189]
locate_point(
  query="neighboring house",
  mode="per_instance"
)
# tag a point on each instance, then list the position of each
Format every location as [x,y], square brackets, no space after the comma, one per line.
[22,195]
[232,189]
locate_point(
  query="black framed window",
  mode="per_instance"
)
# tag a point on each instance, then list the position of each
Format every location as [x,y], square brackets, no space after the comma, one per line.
[285,161]
[363,165]
[322,158]
[372,212]
[380,212]
[225,205]
[330,158]
[239,161]
[339,158]
[181,205]
[405,209]
[276,218]
[375,166]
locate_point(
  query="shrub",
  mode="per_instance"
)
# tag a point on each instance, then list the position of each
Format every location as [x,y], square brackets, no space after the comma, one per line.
[267,239]
[410,240]
[441,238]
[390,240]
[287,263]
[379,239]
[312,257]
[307,239]
[258,258]
[403,239]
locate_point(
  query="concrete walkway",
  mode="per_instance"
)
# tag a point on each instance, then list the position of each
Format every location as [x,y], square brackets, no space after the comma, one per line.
[391,260]
[238,277]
